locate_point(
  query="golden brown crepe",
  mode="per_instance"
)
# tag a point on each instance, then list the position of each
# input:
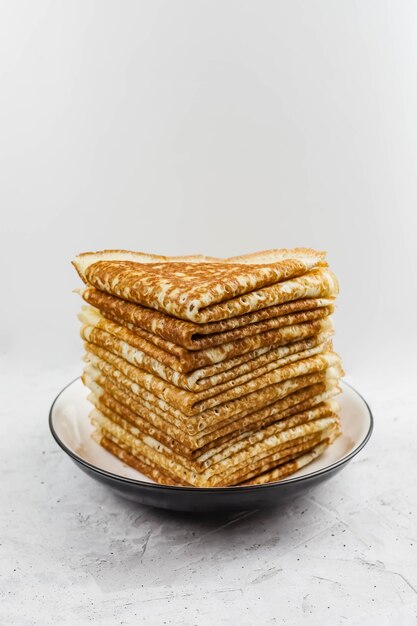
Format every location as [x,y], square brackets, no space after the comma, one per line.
[188,361]
[150,324]
[233,465]
[191,403]
[119,400]
[195,381]
[211,291]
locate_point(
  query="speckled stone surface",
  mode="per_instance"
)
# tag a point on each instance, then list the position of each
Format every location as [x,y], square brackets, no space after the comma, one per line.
[72,552]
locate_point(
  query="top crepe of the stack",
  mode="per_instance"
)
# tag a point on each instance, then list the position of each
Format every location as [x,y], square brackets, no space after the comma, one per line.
[205,289]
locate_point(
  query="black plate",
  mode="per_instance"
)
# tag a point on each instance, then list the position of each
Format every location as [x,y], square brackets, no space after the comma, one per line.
[70,427]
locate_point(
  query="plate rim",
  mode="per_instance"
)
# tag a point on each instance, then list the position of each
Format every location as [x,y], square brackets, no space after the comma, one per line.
[229,489]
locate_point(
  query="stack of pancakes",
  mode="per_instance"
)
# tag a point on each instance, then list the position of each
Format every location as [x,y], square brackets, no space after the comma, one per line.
[211,372]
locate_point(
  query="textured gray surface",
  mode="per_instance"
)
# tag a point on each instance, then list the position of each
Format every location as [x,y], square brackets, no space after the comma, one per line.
[72,552]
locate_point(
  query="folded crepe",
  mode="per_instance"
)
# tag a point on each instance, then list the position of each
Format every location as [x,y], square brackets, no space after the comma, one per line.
[121,401]
[291,465]
[210,291]
[153,325]
[201,421]
[185,361]
[294,459]
[178,441]
[211,380]
[233,464]
[193,403]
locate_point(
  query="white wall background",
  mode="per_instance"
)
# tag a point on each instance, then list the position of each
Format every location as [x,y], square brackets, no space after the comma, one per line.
[209,126]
